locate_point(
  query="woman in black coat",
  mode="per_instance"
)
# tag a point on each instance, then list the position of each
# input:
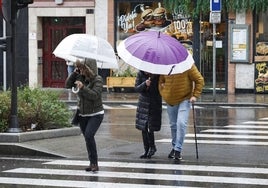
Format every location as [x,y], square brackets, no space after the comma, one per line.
[149,110]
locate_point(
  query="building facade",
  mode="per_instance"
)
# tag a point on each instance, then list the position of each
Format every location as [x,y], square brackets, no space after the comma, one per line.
[241,39]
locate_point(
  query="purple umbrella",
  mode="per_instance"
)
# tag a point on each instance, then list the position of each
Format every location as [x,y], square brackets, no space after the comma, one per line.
[155,52]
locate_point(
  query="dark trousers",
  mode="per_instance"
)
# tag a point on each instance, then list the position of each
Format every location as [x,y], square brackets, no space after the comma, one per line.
[89,127]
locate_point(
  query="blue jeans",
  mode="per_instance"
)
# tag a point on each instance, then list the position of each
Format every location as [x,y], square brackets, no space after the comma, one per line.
[70,69]
[178,120]
[89,127]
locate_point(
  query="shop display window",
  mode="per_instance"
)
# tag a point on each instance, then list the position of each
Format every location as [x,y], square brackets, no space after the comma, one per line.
[136,16]
[261,53]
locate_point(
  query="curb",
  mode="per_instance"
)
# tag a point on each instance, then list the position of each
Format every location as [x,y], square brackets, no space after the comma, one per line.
[11,143]
[37,135]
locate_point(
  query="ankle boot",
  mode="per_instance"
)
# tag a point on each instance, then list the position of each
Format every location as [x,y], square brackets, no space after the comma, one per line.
[145,154]
[151,152]
[94,167]
[88,169]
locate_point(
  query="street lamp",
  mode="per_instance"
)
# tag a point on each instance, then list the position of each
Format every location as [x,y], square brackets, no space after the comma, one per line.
[9,10]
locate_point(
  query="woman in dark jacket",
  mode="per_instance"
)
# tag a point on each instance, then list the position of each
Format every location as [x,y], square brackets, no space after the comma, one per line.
[149,110]
[89,84]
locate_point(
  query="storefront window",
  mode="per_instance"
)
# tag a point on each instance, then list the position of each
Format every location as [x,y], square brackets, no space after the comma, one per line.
[261,53]
[135,16]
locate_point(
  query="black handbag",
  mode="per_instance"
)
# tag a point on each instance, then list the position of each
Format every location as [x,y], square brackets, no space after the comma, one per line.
[75,119]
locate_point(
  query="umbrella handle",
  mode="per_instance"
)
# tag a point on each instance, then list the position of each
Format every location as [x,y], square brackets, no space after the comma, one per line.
[75,90]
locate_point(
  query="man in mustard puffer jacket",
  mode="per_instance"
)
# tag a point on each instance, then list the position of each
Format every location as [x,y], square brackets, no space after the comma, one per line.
[178,91]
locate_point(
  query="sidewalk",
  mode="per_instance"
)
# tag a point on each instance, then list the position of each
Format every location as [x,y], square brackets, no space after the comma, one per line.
[206,98]
[71,145]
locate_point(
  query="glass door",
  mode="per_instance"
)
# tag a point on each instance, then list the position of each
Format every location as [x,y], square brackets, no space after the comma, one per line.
[206,55]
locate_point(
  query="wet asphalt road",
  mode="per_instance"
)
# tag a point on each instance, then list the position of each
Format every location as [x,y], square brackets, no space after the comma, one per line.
[232,150]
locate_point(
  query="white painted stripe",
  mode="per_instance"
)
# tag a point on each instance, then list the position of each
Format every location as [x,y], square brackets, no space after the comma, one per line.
[230,142]
[107,107]
[129,106]
[236,131]
[256,122]
[265,118]
[198,107]
[26,159]
[249,107]
[247,126]
[121,107]
[224,142]
[73,184]
[72,107]
[207,168]
[130,175]
[235,136]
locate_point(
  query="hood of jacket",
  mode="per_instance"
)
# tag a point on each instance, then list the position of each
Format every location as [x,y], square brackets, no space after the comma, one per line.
[92,64]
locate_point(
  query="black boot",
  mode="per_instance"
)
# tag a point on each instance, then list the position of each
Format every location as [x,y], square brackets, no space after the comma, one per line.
[152,148]
[145,144]
[151,152]
[143,156]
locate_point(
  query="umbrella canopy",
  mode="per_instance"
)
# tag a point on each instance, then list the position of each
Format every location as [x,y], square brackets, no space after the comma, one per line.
[81,46]
[155,52]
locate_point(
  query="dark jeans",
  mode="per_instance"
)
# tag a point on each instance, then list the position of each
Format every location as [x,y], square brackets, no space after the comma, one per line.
[89,127]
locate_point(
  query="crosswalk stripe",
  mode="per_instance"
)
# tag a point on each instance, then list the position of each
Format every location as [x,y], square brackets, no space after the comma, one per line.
[247,126]
[207,168]
[256,122]
[244,107]
[236,131]
[129,106]
[107,107]
[256,130]
[73,184]
[224,142]
[167,177]
[257,137]
[126,106]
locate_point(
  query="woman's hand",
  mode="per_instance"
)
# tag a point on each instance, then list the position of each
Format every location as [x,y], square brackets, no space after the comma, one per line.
[79,84]
[148,82]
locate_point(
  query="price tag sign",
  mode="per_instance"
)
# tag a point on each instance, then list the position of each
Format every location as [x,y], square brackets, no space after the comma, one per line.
[215,17]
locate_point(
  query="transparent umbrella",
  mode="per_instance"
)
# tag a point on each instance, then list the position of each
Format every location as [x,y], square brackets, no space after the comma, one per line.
[81,46]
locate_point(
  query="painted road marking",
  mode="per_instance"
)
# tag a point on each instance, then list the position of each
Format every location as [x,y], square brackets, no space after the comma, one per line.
[54,172]
[236,131]
[233,136]
[257,122]
[224,142]
[148,176]
[73,184]
[247,126]
[207,168]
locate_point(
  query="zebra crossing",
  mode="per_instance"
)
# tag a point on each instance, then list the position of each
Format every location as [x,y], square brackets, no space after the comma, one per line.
[117,174]
[152,173]
[246,133]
